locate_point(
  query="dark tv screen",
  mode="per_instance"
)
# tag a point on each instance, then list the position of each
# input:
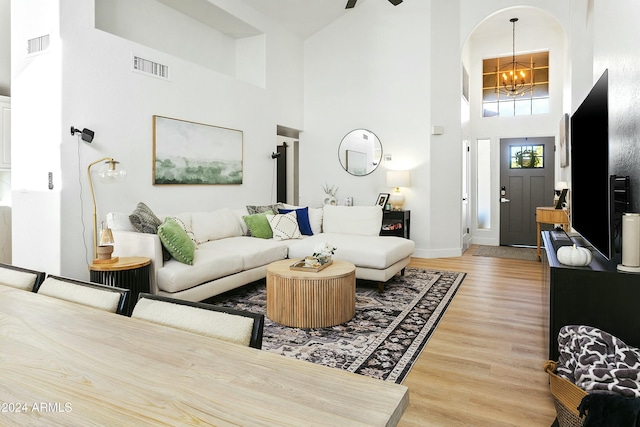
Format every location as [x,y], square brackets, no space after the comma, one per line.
[591,208]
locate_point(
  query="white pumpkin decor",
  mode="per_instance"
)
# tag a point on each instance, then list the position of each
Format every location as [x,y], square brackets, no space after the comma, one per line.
[573,255]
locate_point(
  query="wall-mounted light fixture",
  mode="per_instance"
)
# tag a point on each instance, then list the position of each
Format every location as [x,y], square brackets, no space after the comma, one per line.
[85,134]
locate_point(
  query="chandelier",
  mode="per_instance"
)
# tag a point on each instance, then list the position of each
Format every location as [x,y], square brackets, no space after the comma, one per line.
[511,80]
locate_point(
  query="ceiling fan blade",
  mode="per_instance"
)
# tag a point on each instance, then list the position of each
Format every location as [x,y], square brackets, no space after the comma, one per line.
[395,2]
[351,4]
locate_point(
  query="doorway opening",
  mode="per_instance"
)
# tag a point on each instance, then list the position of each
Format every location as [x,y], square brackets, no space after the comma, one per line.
[286,175]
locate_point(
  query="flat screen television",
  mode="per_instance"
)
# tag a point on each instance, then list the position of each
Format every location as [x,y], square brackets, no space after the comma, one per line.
[598,198]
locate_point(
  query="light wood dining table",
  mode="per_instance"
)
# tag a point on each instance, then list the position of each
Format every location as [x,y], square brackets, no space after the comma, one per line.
[64,364]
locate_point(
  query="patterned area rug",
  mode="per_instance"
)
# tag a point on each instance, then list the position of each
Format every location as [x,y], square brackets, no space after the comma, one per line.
[382,341]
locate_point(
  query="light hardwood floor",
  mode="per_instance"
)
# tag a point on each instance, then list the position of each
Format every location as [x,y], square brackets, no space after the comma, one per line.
[483,364]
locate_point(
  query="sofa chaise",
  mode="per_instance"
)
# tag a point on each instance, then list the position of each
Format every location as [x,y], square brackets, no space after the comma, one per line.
[230,250]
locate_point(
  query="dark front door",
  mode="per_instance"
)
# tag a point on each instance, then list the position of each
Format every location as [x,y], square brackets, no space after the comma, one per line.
[526,182]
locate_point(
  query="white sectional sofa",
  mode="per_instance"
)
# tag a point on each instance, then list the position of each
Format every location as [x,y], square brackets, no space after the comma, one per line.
[226,257]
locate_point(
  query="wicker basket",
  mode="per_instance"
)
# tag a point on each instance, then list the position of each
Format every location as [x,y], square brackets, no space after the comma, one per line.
[566,397]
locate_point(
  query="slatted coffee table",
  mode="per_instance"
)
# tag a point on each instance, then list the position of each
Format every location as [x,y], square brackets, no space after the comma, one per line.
[303,299]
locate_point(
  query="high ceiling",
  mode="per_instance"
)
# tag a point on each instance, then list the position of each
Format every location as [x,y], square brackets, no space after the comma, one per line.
[529,20]
[306,17]
[303,17]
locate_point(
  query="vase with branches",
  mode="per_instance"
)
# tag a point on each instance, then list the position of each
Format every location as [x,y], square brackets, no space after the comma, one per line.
[330,192]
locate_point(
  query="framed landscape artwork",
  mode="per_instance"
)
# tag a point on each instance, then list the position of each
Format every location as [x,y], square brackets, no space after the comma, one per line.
[193,153]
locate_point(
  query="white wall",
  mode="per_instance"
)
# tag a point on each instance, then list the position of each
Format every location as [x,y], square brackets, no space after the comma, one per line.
[36,108]
[99,91]
[540,30]
[370,69]
[5,47]
[393,70]
[397,72]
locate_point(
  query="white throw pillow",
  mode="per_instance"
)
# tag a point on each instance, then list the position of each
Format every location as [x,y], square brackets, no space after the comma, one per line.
[240,212]
[284,226]
[216,225]
[119,221]
[360,220]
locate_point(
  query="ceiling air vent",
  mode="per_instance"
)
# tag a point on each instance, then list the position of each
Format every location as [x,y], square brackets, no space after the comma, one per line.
[151,68]
[38,44]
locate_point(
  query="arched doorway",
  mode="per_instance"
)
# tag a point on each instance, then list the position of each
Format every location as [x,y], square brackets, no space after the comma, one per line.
[493,37]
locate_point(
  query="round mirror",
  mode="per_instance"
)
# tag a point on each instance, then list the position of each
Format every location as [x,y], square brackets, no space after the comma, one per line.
[360,152]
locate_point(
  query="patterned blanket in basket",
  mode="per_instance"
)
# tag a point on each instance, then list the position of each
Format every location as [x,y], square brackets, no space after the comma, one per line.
[597,361]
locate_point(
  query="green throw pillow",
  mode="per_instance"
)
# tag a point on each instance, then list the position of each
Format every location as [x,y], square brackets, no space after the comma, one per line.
[258,225]
[176,240]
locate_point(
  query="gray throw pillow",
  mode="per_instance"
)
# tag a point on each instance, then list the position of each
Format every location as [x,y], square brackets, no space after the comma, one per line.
[256,209]
[144,220]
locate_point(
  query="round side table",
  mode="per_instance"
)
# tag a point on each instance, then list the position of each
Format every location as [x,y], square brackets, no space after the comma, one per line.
[127,272]
[305,299]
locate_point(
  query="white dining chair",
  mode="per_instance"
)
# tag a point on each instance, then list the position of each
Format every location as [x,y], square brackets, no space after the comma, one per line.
[237,326]
[21,278]
[103,297]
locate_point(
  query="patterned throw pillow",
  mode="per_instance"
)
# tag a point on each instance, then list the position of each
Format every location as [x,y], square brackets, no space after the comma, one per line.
[255,209]
[144,220]
[258,225]
[175,239]
[284,226]
[302,214]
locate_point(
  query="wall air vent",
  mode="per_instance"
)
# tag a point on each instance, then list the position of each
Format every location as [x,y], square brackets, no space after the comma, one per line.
[38,44]
[150,68]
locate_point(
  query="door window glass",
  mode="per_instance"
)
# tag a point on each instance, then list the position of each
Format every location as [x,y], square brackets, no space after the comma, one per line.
[526,156]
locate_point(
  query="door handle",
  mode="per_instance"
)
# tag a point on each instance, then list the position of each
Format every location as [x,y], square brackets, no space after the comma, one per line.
[504,200]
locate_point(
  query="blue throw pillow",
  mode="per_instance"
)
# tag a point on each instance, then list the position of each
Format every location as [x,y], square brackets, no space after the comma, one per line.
[303,219]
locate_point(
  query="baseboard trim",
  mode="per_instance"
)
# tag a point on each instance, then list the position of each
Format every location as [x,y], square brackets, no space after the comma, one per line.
[437,253]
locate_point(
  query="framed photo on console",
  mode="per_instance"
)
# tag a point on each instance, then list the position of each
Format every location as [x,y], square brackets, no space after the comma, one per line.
[382,200]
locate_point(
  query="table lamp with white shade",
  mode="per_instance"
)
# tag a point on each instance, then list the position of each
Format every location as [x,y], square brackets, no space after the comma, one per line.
[397,179]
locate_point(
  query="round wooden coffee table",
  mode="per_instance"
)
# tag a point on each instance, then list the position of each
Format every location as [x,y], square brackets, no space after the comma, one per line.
[304,299]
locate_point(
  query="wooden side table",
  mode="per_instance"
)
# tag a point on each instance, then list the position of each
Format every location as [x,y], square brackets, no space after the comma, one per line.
[304,299]
[550,215]
[128,272]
